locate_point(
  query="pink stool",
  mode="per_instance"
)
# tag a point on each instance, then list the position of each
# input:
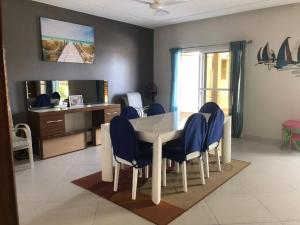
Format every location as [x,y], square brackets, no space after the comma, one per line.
[290,125]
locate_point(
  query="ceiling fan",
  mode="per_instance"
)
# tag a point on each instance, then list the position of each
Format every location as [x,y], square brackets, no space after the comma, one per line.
[158,6]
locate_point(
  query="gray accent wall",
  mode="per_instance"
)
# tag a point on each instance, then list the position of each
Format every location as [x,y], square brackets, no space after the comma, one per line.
[124,52]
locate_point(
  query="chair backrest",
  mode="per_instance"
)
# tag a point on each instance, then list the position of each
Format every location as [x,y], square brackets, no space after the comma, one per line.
[215,128]
[135,99]
[55,95]
[209,107]
[194,133]
[155,109]
[130,113]
[123,139]
[42,100]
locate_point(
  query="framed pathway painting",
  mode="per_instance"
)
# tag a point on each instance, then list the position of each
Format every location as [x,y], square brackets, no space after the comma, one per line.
[67,42]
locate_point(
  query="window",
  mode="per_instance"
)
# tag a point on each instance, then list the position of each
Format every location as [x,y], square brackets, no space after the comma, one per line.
[204,76]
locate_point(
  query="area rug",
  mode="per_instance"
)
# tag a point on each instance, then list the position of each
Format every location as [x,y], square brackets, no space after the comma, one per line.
[174,201]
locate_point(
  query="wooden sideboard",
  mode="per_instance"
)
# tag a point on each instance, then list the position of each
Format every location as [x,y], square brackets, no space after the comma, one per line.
[58,131]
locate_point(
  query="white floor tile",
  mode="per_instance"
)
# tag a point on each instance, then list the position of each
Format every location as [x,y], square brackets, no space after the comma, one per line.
[264,193]
[200,214]
[286,206]
[238,209]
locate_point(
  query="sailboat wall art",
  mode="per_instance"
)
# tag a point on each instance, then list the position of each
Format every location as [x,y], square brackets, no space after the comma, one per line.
[282,61]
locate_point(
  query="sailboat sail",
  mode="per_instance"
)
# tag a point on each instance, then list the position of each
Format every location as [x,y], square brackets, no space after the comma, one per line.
[259,58]
[284,56]
[266,54]
[298,55]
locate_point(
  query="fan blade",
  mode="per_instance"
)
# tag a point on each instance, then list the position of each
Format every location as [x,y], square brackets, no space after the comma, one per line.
[175,2]
[160,12]
[143,2]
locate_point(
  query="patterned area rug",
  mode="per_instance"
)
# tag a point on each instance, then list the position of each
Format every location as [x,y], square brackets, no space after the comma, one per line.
[174,200]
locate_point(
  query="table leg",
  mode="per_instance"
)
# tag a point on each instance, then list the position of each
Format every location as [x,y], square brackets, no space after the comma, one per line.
[156,170]
[106,156]
[226,143]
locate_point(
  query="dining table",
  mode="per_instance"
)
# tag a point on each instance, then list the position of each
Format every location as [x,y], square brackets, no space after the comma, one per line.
[157,130]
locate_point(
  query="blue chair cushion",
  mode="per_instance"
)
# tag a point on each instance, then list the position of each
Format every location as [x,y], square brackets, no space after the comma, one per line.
[125,144]
[155,109]
[192,139]
[130,113]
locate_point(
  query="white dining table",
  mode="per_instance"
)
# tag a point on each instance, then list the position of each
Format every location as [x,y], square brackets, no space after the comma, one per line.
[157,130]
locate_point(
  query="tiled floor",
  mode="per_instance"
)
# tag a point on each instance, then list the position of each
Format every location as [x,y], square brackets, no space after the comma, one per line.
[267,192]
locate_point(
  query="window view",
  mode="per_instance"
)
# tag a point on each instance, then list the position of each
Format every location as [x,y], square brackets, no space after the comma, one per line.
[216,76]
[204,77]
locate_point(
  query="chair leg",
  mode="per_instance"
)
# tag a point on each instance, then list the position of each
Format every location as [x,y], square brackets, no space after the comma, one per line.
[177,167]
[201,167]
[140,173]
[30,153]
[147,172]
[122,167]
[169,163]
[184,179]
[116,179]
[218,159]
[164,172]
[134,182]
[206,164]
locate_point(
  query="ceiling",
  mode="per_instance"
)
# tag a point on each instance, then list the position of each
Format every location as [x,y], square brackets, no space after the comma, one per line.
[130,11]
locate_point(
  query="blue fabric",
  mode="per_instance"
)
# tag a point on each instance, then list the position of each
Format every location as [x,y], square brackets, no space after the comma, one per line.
[43,100]
[130,113]
[175,61]
[193,139]
[155,109]
[55,95]
[237,86]
[209,107]
[215,128]
[125,144]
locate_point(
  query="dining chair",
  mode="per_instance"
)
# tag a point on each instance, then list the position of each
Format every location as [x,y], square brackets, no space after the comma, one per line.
[134,99]
[21,138]
[155,109]
[128,150]
[214,134]
[129,113]
[188,147]
[42,100]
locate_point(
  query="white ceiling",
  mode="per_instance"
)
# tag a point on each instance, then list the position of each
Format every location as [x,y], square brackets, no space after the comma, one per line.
[130,11]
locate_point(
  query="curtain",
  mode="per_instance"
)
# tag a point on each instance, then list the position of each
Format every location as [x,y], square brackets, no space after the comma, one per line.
[237,86]
[175,61]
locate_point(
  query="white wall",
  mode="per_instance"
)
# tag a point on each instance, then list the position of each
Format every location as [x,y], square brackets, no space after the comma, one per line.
[270,97]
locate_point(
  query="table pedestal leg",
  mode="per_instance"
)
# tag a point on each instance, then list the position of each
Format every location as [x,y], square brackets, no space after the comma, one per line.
[156,171]
[226,143]
[106,156]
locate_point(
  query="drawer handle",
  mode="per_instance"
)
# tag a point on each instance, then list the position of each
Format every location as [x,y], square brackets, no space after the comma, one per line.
[54,121]
[110,113]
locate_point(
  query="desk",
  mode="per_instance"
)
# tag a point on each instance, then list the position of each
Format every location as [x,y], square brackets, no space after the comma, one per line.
[57,131]
[157,130]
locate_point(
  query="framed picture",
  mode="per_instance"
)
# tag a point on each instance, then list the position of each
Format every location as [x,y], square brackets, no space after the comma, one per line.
[75,100]
[67,42]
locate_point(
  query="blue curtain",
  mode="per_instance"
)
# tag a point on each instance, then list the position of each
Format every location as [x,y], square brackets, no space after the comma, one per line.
[237,86]
[175,61]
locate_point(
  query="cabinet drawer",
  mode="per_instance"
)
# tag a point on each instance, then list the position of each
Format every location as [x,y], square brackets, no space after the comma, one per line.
[110,113]
[52,126]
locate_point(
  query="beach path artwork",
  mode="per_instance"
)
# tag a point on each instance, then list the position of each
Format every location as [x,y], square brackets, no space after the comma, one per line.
[67,42]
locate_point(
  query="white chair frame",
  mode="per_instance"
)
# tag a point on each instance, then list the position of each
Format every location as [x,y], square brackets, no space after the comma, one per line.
[183,169]
[135,172]
[213,146]
[20,143]
[134,100]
